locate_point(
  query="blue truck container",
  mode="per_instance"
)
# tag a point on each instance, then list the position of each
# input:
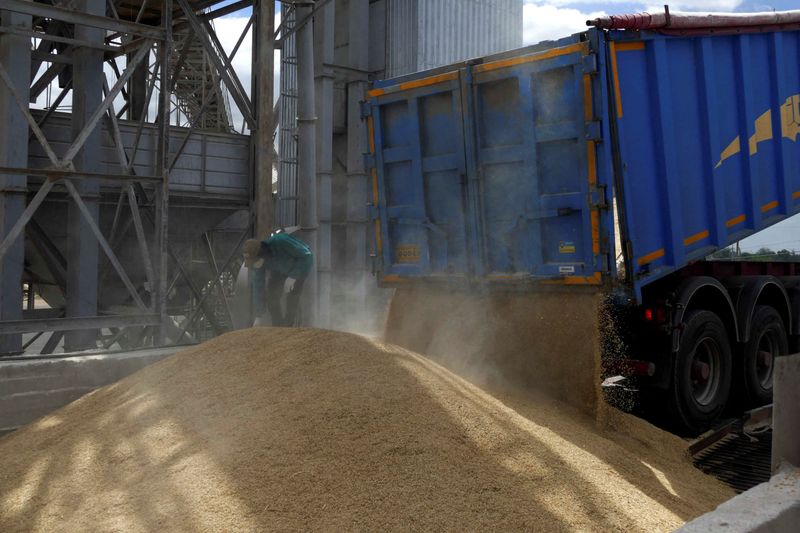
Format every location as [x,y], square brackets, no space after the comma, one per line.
[561,162]
[504,168]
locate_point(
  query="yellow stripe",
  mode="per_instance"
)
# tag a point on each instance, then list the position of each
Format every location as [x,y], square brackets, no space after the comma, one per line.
[371,128]
[795,195]
[375,196]
[591,161]
[696,237]
[770,206]
[584,280]
[615,74]
[433,80]
[634,45]
[588,112]
[735,221]
[649,258]
[393,277]
[554,52]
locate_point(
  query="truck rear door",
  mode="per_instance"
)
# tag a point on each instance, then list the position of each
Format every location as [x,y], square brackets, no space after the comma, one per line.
[535,133]
[419,178]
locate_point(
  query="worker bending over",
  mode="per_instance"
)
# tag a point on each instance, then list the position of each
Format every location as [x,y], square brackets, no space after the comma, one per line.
[284,256]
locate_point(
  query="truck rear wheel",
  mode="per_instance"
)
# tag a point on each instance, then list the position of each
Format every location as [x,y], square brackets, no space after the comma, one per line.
[768,340]
[701,376]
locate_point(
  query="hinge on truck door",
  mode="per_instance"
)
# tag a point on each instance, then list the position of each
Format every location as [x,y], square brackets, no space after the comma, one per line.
[369,161]
[590,64]
[366,109]
[593,131]
[597,197]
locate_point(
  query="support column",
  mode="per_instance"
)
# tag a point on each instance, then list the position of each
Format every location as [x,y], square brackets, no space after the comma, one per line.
[15,55]
[161,167]
[358,267]
[82,247]
[323,47]
[307,154]
[786,413]
[263,75]
[137,91]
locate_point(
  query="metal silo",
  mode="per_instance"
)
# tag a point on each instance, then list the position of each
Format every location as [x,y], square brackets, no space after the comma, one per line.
[423,34]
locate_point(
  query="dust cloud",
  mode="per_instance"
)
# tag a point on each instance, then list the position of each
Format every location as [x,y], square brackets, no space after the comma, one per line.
[545,340]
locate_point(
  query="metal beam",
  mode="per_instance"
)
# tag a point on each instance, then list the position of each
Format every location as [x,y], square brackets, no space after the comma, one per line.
[63,59]
[84,155]
[77,323]
[60,39]
[104,244]
[162,166]
[141,238]
[44,81]
[207,310]
[176,70]
[304,20]
[15,54]
[263,73]
[224,68]
[307,155]
[212,260]
[19,225]
[53,107]
[52,343]
[22,103]
[82,18]
[224,268]
[91,123]
[55,261]
[56,174]
[140,126]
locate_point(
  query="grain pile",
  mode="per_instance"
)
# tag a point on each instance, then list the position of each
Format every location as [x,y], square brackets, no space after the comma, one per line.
[273,429]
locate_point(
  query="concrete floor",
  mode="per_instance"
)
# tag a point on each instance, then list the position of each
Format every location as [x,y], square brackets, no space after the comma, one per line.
[31,387]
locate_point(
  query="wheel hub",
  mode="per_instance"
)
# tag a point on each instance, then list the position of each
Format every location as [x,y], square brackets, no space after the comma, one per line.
[764,359]
[705,372]
[700,371]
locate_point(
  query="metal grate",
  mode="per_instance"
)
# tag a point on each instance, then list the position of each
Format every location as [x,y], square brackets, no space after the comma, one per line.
[739,460]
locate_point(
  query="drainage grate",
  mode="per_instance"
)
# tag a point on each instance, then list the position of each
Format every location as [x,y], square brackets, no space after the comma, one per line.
[739,460]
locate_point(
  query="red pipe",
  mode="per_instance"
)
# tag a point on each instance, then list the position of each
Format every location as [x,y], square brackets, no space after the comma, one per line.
[694,21]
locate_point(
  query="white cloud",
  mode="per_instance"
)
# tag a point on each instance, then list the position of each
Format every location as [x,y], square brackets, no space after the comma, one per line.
[228,30]
[542,22]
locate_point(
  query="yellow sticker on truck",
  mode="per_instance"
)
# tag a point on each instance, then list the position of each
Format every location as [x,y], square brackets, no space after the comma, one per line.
[566,247]
[406,253]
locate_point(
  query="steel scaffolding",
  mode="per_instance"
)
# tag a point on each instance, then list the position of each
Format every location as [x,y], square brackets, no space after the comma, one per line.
[111,243]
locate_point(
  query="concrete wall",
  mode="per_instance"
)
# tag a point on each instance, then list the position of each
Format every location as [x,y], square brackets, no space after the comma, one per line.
[30,389]
[772,507]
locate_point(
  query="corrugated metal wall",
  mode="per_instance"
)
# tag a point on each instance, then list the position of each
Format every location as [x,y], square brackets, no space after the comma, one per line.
[423,34]
[286,205]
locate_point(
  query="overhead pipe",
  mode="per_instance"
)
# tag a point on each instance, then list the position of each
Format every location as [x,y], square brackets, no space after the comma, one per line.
[674,20]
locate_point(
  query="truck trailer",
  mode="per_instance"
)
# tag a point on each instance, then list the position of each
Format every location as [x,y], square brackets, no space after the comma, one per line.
[617,159]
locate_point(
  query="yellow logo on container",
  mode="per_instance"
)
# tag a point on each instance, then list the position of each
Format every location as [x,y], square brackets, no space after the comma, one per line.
[790,128]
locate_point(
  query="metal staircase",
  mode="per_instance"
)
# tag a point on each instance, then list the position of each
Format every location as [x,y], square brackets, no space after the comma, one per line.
[196,82]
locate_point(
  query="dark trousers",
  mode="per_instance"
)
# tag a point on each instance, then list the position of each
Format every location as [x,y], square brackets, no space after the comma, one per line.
[275,296]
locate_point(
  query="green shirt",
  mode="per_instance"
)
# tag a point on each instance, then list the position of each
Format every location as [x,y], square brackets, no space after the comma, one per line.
[284,255]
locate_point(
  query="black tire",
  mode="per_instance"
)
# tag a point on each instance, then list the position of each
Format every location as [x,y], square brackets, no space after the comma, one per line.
[756,359]
[701,373]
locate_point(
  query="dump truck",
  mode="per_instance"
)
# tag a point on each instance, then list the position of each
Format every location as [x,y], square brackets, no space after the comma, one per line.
[617,159]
